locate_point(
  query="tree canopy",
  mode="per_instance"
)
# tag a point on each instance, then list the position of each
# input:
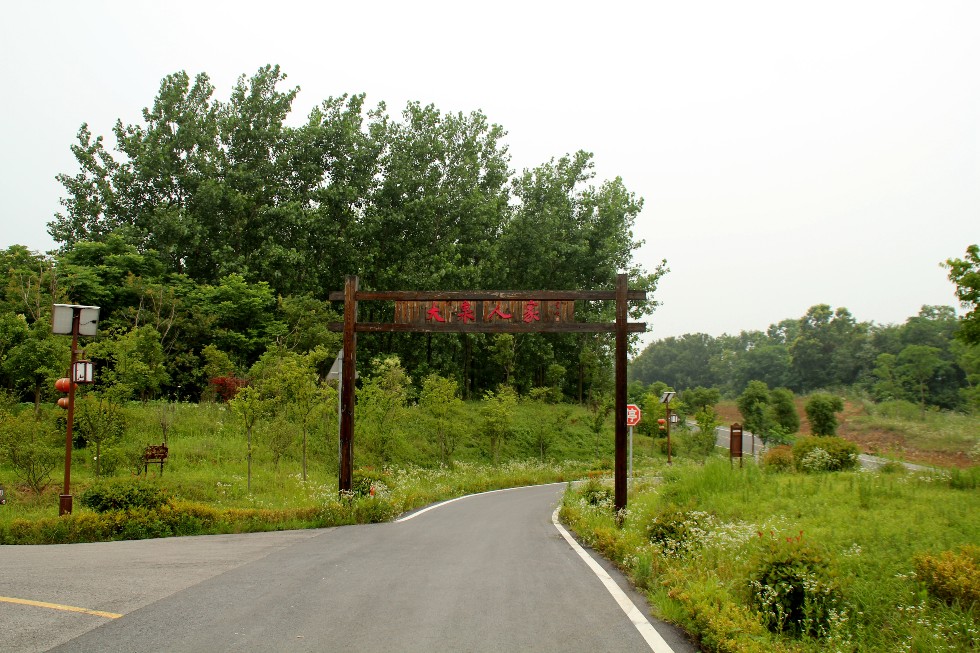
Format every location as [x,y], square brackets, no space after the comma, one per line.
[218,227]
[918,361]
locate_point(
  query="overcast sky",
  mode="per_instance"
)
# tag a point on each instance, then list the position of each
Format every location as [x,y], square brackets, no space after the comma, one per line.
[789,153]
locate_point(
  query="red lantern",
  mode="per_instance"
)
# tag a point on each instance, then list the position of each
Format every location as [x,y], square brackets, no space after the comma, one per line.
[63,384]
[63,402]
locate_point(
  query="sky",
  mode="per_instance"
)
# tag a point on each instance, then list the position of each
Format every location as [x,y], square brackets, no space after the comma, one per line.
[788,153]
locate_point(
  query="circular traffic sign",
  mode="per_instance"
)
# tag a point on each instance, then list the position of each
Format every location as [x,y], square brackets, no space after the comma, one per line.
[633,415]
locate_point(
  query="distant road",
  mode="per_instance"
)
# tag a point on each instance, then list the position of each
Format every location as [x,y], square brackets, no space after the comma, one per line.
[486,573]
[723,436]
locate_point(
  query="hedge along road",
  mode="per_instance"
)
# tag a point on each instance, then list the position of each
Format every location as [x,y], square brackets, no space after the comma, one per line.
[490,572]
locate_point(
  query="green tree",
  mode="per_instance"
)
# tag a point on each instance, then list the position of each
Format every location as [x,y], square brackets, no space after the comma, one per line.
[707,421]
[384,398]
[101,421]
[965,275]
[250,406]
[497,409]
[440,401]
[600,407]
[755,406]
[919,364]
[784,412]
[821,411]
[289,383]
[700,398]
[503,353]
[139,364]
[37,361]
[30,448]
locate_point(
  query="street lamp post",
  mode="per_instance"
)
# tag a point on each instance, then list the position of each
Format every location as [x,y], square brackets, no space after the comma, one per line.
[75,320]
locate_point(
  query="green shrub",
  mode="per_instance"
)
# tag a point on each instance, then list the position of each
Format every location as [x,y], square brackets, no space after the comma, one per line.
[898,409]
[791,584]
[596,493]
[952,577]
[778,459]
[123,495]
[892,467]
[364,480]
[840,454]
[676,531]
[964,479]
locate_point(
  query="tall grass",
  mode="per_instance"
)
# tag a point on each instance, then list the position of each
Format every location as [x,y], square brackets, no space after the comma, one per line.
[207,461]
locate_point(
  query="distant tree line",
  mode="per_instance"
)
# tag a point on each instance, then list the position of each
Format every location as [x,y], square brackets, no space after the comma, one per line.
[920,361]
[212,231]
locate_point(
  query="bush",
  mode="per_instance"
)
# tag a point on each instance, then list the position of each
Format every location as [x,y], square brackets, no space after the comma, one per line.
[123,495]
[898,409]
[793,588]
[676,531]
[596,493]
[364,480]
[838,454]
[29,448]
[952,577]
[778,459]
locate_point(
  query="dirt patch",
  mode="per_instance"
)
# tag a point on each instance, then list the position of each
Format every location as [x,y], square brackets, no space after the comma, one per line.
[874,441]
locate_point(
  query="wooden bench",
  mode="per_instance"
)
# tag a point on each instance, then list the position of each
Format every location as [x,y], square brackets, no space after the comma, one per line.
[155,455]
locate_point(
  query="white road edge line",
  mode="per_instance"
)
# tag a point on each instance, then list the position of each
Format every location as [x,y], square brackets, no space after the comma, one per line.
[467,496]
[639,620]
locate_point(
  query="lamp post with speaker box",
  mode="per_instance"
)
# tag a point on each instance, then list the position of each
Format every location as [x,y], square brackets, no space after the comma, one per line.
[73,320]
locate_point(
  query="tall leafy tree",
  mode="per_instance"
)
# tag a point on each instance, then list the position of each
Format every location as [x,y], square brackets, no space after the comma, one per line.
[821,411]
[965,275]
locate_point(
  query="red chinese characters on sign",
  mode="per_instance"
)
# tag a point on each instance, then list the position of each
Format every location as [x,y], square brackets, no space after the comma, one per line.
[497,312]
[466,313]
[531,312]
[434,314]
[474,312]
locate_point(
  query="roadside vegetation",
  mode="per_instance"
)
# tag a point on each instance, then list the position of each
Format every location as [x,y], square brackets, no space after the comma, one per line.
[786,558]
[401,462]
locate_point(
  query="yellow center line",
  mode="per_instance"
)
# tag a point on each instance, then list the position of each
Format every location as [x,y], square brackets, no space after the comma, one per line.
[56,606]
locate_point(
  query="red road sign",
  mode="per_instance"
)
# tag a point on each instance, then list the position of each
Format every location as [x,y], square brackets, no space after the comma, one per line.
[632,415]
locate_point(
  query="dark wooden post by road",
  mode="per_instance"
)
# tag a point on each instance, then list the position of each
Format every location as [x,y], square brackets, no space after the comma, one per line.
[619,499]
[347,385]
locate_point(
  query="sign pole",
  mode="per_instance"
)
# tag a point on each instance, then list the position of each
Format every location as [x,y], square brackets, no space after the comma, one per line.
[631,458]
[620,494]
[347,377]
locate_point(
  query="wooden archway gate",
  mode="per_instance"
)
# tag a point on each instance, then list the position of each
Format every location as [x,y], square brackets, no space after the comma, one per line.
[471,316]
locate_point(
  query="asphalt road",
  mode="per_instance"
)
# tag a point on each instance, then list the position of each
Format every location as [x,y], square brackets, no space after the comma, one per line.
[486,573]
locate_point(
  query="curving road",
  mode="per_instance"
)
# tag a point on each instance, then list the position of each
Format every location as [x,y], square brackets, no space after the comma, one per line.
[489,572]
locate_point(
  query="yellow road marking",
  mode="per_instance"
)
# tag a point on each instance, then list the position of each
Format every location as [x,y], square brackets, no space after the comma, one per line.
[55,606]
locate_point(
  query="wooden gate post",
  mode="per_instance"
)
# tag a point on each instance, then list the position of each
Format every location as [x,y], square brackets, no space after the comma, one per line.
[619,499]
[348,375]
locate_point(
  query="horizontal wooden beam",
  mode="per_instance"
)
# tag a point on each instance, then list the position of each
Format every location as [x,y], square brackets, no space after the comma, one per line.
[495,327]
[489,295]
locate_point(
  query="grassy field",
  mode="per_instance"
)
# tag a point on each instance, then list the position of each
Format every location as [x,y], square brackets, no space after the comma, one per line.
[208,464]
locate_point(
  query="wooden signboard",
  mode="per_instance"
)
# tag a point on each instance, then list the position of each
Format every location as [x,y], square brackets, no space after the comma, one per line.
[735,443]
